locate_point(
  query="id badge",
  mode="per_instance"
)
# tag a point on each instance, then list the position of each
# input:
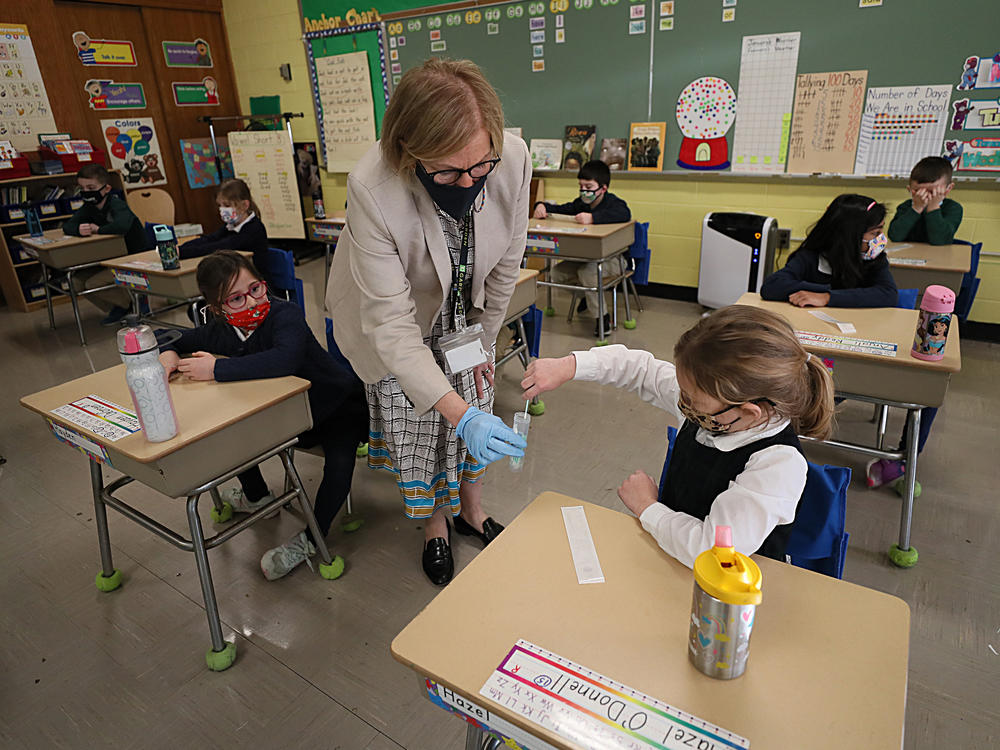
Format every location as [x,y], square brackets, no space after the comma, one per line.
[463,349]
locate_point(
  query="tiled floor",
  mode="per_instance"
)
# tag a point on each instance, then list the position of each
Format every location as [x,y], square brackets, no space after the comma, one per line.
[82,669]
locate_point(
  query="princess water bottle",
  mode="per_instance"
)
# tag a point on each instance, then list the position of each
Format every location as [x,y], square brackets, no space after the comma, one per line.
[935,311]
[166,246]
[147,382]
[726,595]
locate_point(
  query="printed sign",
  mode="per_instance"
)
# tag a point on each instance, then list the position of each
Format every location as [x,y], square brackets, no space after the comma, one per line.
[982,114]
[103,51]
[100,416]
[131,279]
[24,104]
[135,150]
[83,444]
[203,93]
[196,54]
[978,155]
[846,343]
[115,95]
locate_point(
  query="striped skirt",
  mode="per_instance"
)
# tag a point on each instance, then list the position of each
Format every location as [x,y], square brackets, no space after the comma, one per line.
[424,452]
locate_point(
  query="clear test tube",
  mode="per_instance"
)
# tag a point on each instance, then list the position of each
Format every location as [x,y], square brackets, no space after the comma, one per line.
[522,422]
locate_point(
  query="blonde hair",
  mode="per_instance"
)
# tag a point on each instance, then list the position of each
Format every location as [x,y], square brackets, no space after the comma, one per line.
[236,190]
[436,110]
[742,353]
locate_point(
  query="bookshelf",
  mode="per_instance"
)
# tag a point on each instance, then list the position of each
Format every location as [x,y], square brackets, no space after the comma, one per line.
[20,276]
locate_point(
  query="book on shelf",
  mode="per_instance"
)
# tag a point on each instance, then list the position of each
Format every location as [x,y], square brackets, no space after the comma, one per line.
[614,151]
[81,146]
[645,146]
[546,153]
[578,146]
[7,151]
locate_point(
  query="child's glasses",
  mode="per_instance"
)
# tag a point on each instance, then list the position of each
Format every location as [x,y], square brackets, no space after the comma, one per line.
[236,302]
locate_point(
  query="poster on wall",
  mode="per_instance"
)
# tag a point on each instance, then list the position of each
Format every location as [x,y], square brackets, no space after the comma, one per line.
[345,94]
[307,169]
[196,54]
[199,161]
[827,119]
[901,125]
[980,73]
[977,155]
[135,151]
[982,114]
[202,93]
[103,51]
[24,104]
[115,95]
[768,64]
[263,159]
[705,111]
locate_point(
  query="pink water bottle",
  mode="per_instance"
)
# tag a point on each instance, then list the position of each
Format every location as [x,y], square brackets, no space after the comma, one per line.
[935,311]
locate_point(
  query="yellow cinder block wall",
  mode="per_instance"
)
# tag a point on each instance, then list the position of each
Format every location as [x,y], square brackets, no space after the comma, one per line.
[263,34]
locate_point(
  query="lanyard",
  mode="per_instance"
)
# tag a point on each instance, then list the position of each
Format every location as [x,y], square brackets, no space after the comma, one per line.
[459,275]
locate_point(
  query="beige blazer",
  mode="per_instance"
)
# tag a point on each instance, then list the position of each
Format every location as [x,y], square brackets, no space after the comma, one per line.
[392,271]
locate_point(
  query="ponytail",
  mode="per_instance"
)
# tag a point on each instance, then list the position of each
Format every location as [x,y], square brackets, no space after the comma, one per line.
[815,413]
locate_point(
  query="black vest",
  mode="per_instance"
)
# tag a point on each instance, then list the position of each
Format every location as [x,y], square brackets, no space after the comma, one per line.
[698,474]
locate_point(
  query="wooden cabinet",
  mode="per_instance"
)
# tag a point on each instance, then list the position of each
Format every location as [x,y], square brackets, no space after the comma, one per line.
[20,274]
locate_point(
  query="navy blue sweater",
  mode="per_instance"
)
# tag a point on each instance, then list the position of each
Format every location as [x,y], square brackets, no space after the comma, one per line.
[252,237]
[610,210]
[282,345]
[801,274]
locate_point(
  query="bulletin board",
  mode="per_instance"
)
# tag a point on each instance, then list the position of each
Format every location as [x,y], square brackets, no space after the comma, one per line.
[617,62]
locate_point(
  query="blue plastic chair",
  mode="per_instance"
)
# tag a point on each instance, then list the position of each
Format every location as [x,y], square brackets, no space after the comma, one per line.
[639,252]
[970,284]
[151,235]
[332,347]
[818,541]
[280,273]
[907,298]
[533,329]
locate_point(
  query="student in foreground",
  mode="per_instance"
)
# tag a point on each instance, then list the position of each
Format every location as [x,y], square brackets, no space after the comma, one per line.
[103,212]
[261,338]
[595,205]
[841,263]
[743,388]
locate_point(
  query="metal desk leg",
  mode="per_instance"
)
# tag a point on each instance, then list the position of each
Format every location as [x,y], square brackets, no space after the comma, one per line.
[48,295]
[881,416]
[477,739]
[222,654]
[108,579]
[76,306]
[549,309]
[902,554]
[601,337]
[329,261]
[629,321]
[614,306]
[292,473]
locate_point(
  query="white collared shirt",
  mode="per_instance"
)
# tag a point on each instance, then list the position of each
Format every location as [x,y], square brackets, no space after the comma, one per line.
[764,495]
[239,226]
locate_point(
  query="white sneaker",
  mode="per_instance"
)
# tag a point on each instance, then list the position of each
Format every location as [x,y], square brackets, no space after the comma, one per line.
[235,497]
[281,561]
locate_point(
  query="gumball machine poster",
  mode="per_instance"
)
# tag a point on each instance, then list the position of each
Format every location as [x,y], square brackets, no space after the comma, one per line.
[134,149]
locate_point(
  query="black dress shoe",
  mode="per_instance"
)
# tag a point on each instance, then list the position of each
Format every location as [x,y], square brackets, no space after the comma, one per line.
[438,563]
[491,529]
[607,326]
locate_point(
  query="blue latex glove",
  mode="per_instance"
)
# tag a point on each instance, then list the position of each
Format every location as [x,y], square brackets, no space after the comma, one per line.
[487,437]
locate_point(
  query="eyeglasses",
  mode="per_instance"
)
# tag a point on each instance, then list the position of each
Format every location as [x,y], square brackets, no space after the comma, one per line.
[476,171]
[236,302]
[708,421]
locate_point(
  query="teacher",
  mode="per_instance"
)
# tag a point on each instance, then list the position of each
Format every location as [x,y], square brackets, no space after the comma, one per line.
[437,217]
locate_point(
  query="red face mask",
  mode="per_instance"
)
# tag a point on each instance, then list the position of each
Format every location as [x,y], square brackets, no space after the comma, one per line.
[249,318]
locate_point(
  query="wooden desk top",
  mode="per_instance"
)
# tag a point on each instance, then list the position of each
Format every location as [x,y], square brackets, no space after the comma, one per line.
[148,262]
[561,226]
[939,257]
[828,659]
[336,218]
[203,408]
[526,275]
[892,324]
[58,239]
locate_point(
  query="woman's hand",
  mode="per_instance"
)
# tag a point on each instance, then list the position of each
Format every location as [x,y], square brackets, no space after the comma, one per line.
[546,375]
[199,366]
[638,492]
[809,299]
[169,360]
[486,369]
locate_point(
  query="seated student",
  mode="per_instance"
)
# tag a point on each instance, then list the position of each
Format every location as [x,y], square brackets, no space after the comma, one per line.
[259,338]
[594,206]
[104,213]
[841,263]
[744,389]
[242,228]
[929,216]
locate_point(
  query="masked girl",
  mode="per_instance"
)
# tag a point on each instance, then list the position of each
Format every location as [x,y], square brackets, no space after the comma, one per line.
[241,227]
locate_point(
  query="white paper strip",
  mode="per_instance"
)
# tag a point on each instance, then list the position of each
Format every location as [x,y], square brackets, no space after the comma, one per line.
[581,545]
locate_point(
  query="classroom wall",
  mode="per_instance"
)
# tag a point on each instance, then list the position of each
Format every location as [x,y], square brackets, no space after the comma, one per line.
[265,33]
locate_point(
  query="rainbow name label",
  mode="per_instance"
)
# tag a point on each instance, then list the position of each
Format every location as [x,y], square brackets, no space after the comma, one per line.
[594,711]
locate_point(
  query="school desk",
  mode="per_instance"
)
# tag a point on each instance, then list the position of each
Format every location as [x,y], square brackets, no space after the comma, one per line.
[520,302]
[560,239]
[328,232]
[67,253]
[828,659]
[916,265]
[900,380]
[224,429]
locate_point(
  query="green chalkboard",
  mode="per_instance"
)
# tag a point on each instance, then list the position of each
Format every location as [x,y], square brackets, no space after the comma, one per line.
[612,69]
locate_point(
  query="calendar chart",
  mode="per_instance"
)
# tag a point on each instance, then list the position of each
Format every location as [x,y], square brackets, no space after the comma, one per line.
[900,126]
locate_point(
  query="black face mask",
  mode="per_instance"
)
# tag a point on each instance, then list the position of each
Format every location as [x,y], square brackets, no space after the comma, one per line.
[453,200]
[91,196]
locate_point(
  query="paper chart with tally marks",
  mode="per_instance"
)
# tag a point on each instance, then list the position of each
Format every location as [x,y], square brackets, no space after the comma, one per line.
[594,711]
[900,126]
